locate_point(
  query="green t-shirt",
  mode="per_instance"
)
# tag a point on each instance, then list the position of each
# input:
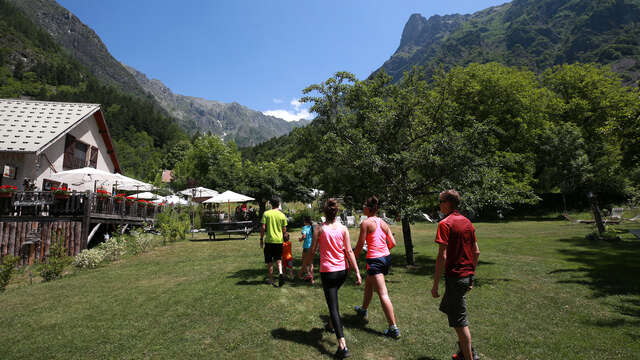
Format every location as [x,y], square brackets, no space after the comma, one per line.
[275,221]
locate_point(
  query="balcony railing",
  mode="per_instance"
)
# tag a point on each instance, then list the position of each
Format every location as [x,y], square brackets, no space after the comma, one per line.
[75,204]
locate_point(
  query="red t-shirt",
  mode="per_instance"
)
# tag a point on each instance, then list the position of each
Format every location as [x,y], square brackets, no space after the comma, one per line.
[459,235]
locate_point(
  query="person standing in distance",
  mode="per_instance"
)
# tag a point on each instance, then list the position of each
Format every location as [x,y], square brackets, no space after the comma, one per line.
[458,257]
[272,231]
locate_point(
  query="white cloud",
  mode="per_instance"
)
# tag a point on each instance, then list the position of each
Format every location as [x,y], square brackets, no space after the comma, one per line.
[278,101]
[288,115]
[298,112]
[296,104]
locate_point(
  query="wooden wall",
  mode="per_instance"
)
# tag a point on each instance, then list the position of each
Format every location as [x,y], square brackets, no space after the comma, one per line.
[14,234]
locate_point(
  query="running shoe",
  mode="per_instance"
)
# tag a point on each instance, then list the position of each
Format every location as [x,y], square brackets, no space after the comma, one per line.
[342,353]
[280,280]
[460,356]
[362,313]
[392,332]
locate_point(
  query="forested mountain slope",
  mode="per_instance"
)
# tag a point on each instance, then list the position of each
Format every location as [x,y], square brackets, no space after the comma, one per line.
[33,65]
[230,121]
[535,34]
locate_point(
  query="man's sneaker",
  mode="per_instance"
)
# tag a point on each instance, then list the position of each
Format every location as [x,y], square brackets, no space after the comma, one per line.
[460,356]
[280,280]
[392,332]
[342,353]
[362,313]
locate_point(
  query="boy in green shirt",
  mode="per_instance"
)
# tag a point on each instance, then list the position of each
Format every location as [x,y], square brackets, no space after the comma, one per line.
[274,226]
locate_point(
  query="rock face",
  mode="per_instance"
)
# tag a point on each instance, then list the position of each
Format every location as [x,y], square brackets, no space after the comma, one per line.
[536,34]
[80,41]
[230,121]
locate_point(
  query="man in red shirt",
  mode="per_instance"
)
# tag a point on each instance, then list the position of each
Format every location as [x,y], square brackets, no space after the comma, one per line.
[458,257]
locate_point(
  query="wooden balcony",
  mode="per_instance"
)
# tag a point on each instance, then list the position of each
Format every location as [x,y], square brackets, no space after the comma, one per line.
[27,220]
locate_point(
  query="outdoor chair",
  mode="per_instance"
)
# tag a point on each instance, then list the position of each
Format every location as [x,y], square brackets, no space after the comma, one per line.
[635,218]
[429,219]
[362,218]
[351,221]
[616,213]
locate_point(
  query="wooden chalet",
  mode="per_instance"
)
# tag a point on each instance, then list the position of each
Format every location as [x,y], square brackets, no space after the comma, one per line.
[38,139]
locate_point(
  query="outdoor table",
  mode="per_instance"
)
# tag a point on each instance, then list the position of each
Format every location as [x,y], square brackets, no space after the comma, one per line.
[229,227]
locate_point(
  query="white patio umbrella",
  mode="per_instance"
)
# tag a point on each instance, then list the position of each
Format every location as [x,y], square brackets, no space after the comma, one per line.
[146,195]
[127,183]
[200,192]
[229,197]
[173,199]
[85,178]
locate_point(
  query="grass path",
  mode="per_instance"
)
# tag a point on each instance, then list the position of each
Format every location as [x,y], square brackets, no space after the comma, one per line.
[543,292]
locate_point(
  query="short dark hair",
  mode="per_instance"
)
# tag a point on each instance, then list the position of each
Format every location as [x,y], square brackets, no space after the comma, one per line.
[451,196]
[307,219]
[275,202]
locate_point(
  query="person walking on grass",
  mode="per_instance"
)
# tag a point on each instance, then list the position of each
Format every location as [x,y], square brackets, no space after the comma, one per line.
[379,240]
[458,257]
[307,238]
[272,231]
[335,247]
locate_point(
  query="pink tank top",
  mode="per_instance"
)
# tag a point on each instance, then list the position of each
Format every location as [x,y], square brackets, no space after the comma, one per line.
[377,242]
[332,256]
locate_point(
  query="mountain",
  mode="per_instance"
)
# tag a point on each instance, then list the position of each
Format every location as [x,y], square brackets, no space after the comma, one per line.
[536,34]
[231,121]
[80,41]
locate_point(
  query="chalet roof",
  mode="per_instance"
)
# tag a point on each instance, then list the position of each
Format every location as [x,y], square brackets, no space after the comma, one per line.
[31,126]
[28,126]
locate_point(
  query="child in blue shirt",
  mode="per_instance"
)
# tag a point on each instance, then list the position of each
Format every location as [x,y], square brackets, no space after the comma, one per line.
[306,239]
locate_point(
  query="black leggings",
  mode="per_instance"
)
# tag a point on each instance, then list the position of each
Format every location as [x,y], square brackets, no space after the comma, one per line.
[331,282]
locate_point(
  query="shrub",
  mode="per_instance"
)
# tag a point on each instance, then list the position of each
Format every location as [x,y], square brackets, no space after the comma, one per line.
[138,242]
[173,225]
[113,248]
[6,270]
[57,260]
[89,258]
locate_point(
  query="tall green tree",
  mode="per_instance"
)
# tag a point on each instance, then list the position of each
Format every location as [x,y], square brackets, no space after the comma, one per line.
[210,163]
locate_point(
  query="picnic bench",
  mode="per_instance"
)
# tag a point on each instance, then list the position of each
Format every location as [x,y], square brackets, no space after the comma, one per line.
[243,228]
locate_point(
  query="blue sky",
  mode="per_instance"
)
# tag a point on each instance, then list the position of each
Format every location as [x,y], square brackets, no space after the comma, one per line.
[259,53]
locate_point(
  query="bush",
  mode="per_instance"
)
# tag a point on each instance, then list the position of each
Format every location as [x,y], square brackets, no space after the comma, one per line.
[113,248]
[173,225]
[137,242]
[89,259]
[57,260]
[297,220]
[6,270]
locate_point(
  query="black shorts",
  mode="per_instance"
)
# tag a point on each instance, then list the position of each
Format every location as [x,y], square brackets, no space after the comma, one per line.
[454,303]
[378,265]
[272,252]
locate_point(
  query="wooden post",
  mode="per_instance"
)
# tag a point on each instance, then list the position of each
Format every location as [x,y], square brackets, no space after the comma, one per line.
[86,222]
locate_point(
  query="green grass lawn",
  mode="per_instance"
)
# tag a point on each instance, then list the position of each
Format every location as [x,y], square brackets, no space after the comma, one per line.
[542,292]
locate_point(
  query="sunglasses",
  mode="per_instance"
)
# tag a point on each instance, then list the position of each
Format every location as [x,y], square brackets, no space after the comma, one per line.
[442,201]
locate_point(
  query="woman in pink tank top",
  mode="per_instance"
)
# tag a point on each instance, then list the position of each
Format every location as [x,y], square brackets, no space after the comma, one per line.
[335,247]
[379,238]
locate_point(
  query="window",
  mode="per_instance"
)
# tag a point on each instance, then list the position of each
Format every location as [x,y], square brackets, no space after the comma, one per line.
[75,153]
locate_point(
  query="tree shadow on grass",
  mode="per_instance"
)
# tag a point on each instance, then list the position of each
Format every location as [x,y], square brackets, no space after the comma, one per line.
[425,358]
[311,338]
[250,276]
[609,269]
